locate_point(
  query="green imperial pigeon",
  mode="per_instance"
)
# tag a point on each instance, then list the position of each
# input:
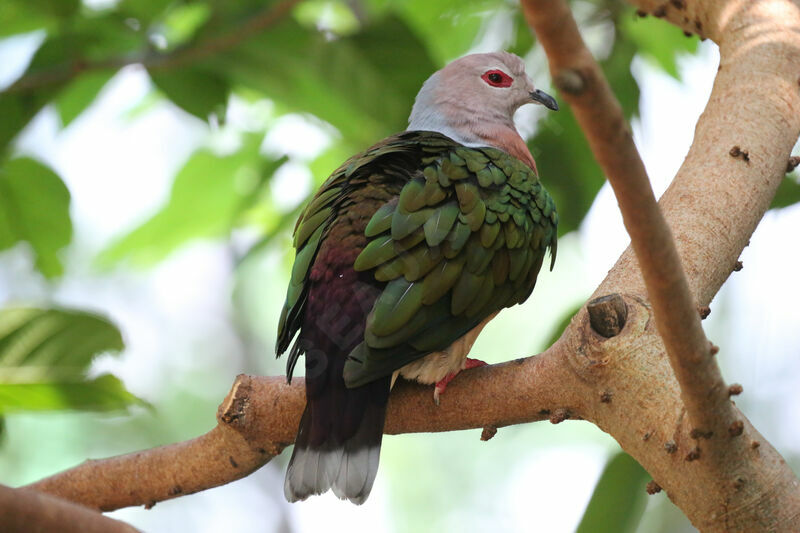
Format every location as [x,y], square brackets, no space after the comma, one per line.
[403,256]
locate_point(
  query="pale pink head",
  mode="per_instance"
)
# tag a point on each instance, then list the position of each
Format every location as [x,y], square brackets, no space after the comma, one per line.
[473,99]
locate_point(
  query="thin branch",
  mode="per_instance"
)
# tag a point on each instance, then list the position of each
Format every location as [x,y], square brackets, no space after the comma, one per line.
[259,418]
[153,60]
[28,511]
[583,85]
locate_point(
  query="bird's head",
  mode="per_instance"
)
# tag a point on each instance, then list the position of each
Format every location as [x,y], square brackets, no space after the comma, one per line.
[474,92]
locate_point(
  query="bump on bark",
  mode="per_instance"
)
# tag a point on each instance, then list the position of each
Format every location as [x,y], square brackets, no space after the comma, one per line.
[713,349]
[607,315]
[737,152]
[570,81]
[693,455]
[794,161]
[698,433]
[704,311]
[606,396]
[488,432]
[735,389]
[559,415]
[653,487]
[736,428]
[670,447]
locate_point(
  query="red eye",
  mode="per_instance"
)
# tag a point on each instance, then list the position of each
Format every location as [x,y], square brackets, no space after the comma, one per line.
[497,78]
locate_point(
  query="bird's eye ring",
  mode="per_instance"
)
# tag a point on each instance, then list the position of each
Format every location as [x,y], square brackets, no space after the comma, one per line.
[497,78]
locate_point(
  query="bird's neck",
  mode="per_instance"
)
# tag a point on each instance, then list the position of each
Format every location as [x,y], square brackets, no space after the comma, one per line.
[476,133]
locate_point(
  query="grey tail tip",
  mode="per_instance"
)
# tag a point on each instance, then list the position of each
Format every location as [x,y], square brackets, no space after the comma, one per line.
[350,473]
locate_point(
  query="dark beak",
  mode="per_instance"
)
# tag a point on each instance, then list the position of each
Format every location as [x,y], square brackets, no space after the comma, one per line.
[545,99]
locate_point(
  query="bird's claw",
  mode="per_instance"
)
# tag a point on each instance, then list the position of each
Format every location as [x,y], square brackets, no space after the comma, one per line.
[441,385]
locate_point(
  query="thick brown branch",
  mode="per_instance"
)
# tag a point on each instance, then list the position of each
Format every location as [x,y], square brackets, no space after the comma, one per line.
[153,60]
[28,511]
[600,116]
[712,206]
[259,418]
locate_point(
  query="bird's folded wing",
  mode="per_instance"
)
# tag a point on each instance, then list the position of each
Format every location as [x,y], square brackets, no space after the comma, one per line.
[466,237]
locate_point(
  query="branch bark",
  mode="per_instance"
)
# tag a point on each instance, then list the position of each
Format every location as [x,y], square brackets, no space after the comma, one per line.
[730,480]
[718,462]
[28,511]
[259,418]
[583,85]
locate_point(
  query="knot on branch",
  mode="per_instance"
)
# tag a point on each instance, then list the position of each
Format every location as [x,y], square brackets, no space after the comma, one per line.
[735,389]
[232,412]
[608,314]
[559,415]
[488,432]
[794,161]
[571,81]
[653,487]
[737,152]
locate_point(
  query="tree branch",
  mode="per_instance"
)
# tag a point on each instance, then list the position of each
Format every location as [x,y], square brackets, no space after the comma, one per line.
[259,417]
[28,511]
[152,60]
[583,85]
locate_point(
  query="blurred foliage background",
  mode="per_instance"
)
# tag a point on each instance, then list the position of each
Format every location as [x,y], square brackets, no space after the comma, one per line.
[154,155]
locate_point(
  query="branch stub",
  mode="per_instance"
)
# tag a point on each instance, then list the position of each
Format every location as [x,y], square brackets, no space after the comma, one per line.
[608,314]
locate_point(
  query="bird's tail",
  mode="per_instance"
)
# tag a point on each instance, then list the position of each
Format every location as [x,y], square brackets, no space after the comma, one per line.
[338,443]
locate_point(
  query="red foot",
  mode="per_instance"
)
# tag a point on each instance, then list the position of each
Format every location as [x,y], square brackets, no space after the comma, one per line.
[441,385]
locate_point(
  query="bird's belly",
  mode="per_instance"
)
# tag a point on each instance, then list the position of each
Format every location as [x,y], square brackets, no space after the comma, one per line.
[436,365]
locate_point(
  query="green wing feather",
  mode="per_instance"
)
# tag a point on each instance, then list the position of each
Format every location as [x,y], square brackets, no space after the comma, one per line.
[466,237]
[313,225]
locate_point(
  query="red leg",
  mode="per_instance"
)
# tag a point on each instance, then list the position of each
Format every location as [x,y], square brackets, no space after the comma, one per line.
[474,363]
[441,385]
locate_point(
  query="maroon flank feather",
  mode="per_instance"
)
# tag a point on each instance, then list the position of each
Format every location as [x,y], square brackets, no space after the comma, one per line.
[338,443]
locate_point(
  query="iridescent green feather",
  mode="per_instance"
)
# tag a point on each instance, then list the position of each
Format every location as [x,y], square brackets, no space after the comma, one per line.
[464,237]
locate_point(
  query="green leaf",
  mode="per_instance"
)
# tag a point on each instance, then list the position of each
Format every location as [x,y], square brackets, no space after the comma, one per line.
[182,21]
[619,498]
[44,356]
[47,342]
[103,393]
[79,94]
[359,84]
[144,11]
[21,16]
[788,192]
[562,324]
[448,27]
[16,111]
[34,207]
[568,169]
[208,195]
[657,40]
[196,91]
[17,108]
[523,35]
